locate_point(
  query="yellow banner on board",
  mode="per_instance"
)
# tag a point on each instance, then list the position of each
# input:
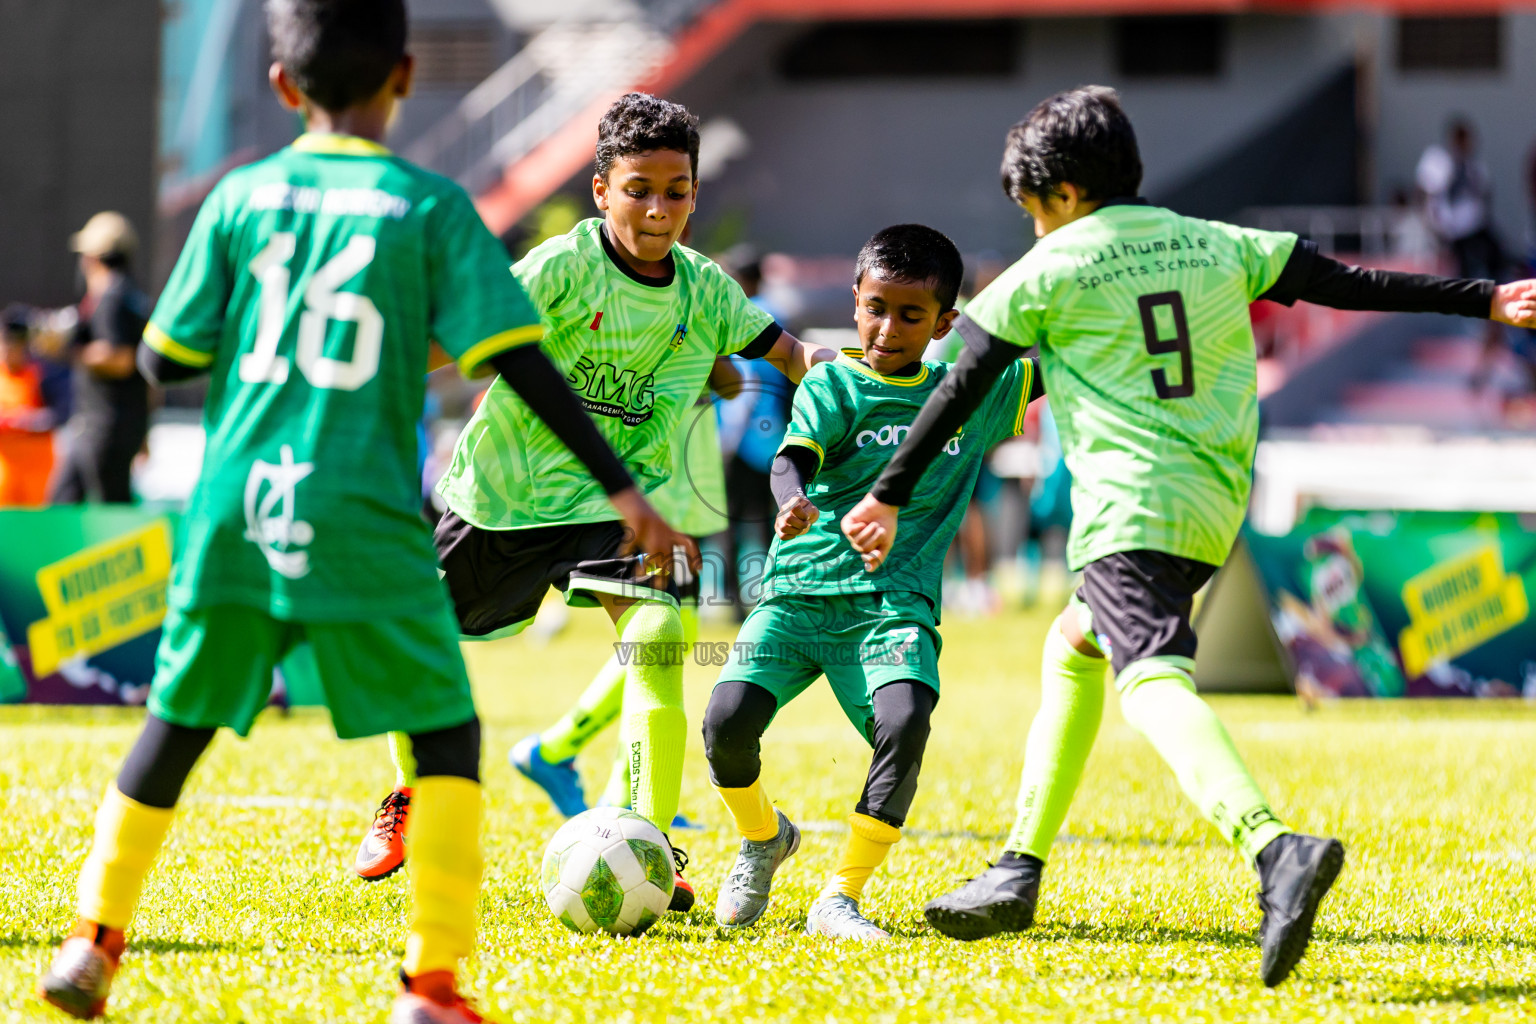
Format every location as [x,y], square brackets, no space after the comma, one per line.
[1459,604]
[102,596]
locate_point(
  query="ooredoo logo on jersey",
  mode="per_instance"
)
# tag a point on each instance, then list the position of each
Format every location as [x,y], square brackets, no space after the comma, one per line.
[892,434]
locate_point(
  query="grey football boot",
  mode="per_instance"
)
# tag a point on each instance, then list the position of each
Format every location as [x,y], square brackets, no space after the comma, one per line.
[744,893]
[837,917]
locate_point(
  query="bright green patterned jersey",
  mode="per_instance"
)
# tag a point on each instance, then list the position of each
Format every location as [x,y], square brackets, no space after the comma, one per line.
[310,287]
[1141,316]
[636,351]
[854,419]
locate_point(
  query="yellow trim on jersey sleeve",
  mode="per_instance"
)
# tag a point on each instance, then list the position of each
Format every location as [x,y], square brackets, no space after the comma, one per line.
[805,442]
[172,349]
[1027,385]
[496,344]
[338,145]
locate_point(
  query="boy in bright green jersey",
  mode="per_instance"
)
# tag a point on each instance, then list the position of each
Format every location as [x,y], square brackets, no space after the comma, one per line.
[873,635]
[635,321]
[310,290]
[692,501]
[1141,316]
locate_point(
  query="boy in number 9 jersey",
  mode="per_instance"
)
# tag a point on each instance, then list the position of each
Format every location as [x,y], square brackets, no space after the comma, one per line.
[1141,317]
[310,290]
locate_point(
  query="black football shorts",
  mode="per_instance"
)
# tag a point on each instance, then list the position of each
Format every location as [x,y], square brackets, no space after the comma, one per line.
[1141,603]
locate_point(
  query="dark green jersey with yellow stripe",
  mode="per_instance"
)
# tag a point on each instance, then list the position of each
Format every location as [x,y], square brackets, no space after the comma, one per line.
[310,287]
[854,419]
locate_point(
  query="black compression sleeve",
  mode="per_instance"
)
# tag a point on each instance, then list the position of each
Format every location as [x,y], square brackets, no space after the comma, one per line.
[530,373]
[160,761]
[793,468]
[157,369]
[1309,276]
[951,404]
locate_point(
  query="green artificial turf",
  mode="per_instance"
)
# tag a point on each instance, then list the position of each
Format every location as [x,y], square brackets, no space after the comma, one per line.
[253,915]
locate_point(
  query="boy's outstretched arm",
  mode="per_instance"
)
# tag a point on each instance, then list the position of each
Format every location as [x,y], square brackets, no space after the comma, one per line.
[792,357]
[1309,276]
[871,525]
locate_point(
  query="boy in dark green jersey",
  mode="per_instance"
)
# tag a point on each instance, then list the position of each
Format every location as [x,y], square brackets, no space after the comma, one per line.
[310,290]
[635,321]
[1141,317]
[872,634]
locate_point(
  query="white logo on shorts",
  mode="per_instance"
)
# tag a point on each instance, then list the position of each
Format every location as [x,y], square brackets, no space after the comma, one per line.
[269,520]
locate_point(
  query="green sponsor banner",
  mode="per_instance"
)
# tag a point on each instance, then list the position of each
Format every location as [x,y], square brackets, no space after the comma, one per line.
[1393,604]
[82,598]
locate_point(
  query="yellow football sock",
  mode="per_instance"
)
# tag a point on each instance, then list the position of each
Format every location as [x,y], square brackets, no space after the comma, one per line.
[404,755]
[445,873]
[128,835]
[869,840]
[751,810]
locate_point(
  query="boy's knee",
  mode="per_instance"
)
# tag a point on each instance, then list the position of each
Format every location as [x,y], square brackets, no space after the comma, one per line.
[453,751]
[652,622]
[1161,669]
[903,713]
[734,722]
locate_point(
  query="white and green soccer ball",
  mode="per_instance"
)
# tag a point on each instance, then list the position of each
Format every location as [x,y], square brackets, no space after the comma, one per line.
[607,869]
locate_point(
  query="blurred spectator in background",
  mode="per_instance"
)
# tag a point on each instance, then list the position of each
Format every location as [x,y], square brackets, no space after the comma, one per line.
[1458,196]
[110,417]
[26,421]
[752,426]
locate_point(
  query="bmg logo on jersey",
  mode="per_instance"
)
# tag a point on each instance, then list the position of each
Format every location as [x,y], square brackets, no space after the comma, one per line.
[892,435]
[609,391]
[269,514]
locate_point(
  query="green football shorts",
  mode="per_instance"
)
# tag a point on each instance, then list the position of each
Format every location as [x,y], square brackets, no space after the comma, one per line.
[859,642]
[214,667]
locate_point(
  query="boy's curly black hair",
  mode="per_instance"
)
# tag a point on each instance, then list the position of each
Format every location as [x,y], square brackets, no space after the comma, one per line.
[1081,136]
[338,52]
[916,254]
[639,123]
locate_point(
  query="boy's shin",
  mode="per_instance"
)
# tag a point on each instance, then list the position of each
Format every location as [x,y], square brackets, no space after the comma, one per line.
[1060,739]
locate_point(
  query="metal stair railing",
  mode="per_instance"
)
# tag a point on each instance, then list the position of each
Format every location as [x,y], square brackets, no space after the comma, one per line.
[556,75]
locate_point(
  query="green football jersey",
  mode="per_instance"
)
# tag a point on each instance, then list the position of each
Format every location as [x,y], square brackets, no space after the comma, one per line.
[854,419]
[1147,349]
[310,287]
[637,352]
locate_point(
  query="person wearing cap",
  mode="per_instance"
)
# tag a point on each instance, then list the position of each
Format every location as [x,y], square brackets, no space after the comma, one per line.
[110,417]
[26,421]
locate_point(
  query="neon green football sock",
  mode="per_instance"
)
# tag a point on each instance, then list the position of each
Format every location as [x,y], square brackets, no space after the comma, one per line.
[654,724]
[599,706]
[1060,739]
[596,709]
[1158,698]
[616,792]
[404,757]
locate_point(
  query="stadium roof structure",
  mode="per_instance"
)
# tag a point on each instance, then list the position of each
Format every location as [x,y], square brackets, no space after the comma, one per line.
[530,180]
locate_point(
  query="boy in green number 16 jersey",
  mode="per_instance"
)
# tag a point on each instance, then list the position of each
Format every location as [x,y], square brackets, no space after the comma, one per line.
[1141,317]
[309,290]
[873,635]
[635,321]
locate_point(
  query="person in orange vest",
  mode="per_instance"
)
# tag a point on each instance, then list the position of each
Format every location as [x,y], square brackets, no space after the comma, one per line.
[26,421]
